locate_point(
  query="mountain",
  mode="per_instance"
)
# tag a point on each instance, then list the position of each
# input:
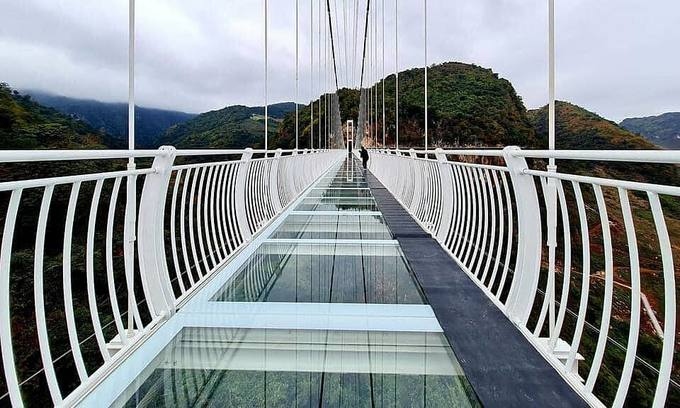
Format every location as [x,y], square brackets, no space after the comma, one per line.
[467,105]
[231,127]
[579,129]
[112,118]
[26,124]
[662,130]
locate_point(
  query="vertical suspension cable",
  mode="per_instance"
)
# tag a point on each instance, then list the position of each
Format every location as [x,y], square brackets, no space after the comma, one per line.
[369,75]
[131,78]
[383,73]
[396,68]
[551,78]
[375,75]
[266,80]
[321,83]
[325,69]
[297,78]
[425,11]
[311,73]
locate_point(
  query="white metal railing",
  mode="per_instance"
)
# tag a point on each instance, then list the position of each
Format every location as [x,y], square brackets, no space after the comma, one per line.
[106,271]
[542,260]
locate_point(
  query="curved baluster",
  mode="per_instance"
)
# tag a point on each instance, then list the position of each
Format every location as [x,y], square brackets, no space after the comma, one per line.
[634,329]
[585,285]
[39,296]
[8,362]
[89,271]
[669,301]
[66,279]
[608,289]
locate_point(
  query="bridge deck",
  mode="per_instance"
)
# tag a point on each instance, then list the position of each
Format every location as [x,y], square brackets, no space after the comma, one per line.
[504,369]
[332,305]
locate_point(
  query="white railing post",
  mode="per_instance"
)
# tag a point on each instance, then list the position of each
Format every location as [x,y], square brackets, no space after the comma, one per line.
[527,269]
[415,178]
[129,238]
[445,176]
[274,182]
[240,191]
[150,236]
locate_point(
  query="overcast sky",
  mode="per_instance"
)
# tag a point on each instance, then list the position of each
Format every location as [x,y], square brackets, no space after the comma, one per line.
[618,58]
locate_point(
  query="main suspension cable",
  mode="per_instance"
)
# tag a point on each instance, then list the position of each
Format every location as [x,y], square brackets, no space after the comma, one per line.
[330,31]
[363,53]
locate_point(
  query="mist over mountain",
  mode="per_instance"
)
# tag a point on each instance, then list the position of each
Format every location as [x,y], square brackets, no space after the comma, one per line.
[112,118]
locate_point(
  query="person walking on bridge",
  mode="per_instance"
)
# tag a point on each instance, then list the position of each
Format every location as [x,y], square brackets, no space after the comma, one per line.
[364,156]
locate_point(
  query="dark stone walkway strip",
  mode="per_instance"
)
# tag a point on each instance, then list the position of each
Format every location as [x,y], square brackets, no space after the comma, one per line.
[503,367]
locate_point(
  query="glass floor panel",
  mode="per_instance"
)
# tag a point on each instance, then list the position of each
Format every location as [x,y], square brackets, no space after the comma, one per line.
[348,226]
[342,182]
[337,204]
[340,193]
[218,367]
[323,273]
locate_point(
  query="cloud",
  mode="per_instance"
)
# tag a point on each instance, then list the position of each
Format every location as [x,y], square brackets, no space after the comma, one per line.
[615,57]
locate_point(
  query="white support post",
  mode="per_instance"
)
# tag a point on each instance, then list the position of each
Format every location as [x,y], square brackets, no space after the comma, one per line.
[153,266]
[129,236]
[416,178]
[448,192]
[274,182]
[240,199]
[528,265]
[552,168]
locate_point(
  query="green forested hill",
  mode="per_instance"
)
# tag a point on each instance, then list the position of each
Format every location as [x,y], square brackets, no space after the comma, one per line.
[112,118]
[231,127]
[578,128]
[25,124]
[468,105]
[662,130]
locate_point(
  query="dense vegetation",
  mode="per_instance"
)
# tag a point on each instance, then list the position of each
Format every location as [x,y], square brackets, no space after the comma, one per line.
[25,124]
[662,130]
[231,127]
[285,137]
[467,106]
[112,118]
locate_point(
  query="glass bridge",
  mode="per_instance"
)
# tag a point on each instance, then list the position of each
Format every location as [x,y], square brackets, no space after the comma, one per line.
[321,309]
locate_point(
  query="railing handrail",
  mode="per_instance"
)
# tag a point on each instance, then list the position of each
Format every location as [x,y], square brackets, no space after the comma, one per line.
[25,156]
[483,213]
[635,156]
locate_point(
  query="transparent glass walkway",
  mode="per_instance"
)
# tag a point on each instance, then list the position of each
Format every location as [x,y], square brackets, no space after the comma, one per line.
[321,309]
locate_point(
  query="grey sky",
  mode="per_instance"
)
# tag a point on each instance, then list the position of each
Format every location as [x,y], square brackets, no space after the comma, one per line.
[616,57]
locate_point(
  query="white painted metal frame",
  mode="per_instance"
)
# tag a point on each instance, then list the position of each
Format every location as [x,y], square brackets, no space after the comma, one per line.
[486,210]
[190,220]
